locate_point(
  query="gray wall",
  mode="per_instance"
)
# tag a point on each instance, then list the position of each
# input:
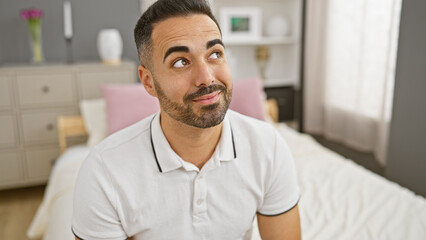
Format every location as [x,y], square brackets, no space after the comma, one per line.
[407,145]
[89,16]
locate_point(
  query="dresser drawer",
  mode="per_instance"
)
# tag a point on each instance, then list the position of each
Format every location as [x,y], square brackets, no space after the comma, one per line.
[40,162]
[10,167]
[8,131]
[90,83]
[5,92]
[41,127]
[51,89]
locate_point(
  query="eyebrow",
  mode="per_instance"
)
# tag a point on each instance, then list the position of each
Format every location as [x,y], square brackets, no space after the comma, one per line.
[175,49]
[213,42]
[185,49]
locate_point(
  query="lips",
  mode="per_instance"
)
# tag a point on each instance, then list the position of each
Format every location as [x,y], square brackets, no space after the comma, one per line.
[208,98]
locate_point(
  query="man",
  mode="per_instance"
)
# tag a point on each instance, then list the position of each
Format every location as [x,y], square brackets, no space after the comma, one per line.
[195,170]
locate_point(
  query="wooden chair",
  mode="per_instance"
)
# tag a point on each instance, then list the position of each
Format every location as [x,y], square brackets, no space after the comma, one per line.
[70,126]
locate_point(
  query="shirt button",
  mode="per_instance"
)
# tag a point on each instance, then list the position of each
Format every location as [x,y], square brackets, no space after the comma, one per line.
[199,201]
[197,219]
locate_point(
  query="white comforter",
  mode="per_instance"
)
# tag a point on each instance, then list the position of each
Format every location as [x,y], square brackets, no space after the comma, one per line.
[340,200]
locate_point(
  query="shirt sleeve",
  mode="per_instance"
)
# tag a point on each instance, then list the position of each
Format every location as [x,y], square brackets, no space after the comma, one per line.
[281,188]
[94,214]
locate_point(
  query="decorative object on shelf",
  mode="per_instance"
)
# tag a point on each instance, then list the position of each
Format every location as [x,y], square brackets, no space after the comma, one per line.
[241,23]
[33,17]
[278,26]
[262,58]
[68,29]
[110,46]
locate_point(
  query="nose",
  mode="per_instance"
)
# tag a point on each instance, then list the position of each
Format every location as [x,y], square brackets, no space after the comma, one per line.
[204,75]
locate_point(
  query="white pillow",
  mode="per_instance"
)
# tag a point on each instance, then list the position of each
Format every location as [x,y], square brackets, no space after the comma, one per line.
[95,119]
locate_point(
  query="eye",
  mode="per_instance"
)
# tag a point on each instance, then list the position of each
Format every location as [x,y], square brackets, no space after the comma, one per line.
[180,63]
[215,55]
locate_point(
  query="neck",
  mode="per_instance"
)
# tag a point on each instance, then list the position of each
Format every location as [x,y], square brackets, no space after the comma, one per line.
[192,144]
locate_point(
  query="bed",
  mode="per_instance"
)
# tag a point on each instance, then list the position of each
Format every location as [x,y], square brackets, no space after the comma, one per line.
[339,199]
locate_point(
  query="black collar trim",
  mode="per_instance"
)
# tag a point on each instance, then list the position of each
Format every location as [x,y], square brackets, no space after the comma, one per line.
[155,154]
[152,144]
[233,144]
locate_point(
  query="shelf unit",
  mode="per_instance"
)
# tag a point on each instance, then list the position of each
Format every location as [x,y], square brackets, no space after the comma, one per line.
[284,63]
[263,41]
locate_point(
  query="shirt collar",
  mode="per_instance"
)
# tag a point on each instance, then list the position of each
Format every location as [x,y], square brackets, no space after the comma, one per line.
[167,160]
[225,149]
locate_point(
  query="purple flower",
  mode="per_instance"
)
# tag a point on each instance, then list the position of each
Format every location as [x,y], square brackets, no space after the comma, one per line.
[31,13]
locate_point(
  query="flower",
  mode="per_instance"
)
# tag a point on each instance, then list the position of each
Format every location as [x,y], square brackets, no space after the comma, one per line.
[31,13]
[33,17]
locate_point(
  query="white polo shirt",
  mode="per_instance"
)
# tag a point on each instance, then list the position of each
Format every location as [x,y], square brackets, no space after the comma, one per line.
[134,184]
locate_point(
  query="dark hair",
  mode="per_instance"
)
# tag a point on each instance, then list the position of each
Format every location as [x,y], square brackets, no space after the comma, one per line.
[159,11]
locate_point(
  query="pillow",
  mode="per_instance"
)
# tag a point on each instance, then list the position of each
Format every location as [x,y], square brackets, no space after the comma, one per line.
[248,97]
[95,120]
[126,104]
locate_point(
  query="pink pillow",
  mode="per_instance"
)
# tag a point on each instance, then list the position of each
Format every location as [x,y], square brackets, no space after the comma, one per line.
[247,98]
[126,104]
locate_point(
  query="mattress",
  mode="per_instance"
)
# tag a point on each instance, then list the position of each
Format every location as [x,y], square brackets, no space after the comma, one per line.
[339,199]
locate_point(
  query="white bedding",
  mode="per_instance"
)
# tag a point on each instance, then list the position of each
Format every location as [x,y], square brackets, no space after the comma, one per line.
[340,200]
[53,217]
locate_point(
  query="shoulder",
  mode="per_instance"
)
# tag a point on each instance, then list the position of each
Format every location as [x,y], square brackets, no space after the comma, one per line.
[124,137]
[258,139]
[120,153]
[250,127]
[121,146]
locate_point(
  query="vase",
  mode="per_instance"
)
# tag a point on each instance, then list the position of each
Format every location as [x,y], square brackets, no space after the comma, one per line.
[36,41]
[278,26]
[110,46]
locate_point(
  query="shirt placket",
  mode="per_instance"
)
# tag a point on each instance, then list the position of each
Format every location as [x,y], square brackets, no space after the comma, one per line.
[200,200]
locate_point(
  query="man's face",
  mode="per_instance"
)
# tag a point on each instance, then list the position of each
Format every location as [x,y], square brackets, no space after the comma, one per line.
[191,75]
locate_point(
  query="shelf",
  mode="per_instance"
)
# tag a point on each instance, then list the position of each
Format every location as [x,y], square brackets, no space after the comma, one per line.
[261,41]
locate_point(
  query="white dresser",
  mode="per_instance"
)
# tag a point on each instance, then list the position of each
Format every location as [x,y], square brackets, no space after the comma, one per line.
[31,99]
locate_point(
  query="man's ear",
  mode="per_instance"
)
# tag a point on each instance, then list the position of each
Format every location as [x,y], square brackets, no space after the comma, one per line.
[147,80]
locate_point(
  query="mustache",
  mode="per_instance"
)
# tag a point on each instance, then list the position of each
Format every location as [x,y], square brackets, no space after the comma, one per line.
[204,91]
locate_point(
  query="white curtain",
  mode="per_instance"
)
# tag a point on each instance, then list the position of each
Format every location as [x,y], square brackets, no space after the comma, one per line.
[350,57]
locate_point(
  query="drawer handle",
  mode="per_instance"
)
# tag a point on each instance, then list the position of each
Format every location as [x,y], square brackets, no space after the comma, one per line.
[50,127]
[45,89]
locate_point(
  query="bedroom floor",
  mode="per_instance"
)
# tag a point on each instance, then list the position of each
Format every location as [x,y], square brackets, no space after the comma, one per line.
[17,209]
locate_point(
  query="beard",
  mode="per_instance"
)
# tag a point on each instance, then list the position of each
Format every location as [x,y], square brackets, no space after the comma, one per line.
[207,116]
